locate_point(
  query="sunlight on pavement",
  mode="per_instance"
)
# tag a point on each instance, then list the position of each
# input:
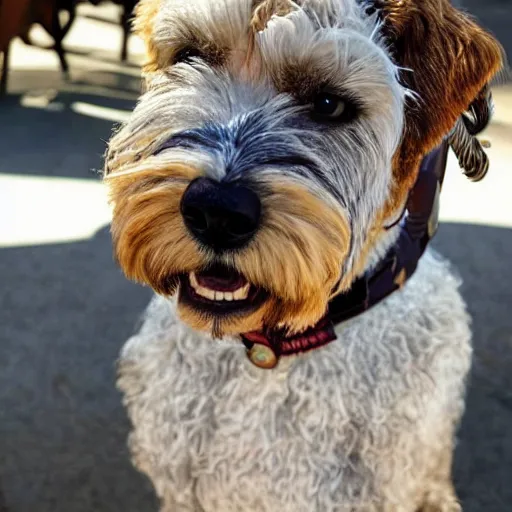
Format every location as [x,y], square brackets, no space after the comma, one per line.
[487,202]
[45,101]
[47,210]
[50,210]
[110,114]
[484,203]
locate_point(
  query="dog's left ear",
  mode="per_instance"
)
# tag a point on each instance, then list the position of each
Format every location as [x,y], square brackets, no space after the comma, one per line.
[447,60]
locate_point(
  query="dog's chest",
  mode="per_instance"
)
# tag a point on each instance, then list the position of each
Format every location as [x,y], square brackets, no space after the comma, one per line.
[333,430]
[217,433]
[245,439]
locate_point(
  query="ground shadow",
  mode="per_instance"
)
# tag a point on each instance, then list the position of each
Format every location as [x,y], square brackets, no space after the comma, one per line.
[484,454]
[104,55]
[60,128]
[65,311]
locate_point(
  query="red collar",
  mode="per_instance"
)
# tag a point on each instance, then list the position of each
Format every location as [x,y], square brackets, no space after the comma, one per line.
[418,226]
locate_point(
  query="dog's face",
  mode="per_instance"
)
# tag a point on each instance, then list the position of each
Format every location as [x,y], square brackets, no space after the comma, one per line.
[259,171]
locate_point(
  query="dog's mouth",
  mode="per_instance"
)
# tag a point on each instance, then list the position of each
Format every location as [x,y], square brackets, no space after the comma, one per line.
[220,290]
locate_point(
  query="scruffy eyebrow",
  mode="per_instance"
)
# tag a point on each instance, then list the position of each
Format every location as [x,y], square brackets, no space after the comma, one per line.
[179,33]
[203,23]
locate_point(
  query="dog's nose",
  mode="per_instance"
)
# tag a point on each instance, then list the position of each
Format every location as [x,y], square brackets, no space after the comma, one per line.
[220,215]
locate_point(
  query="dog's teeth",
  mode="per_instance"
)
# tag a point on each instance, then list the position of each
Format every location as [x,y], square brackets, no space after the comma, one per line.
[239,294]
[242,293]
[209,294]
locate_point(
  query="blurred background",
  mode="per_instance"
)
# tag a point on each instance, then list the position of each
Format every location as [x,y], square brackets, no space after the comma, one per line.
[65,308]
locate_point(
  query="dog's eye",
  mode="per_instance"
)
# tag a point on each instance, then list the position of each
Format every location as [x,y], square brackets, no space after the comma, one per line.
[328,106]
[187,54]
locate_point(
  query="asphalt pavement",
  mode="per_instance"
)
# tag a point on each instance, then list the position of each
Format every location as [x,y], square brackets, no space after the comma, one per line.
[66,309]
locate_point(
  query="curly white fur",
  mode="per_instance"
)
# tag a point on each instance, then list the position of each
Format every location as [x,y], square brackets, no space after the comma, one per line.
[364,424]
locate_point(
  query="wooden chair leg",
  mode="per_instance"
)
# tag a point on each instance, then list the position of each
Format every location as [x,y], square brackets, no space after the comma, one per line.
[72,15]
[126,26]
[4,71]
[124,43]
[58,34]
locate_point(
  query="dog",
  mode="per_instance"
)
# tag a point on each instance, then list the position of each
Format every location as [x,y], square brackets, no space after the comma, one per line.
[276,186]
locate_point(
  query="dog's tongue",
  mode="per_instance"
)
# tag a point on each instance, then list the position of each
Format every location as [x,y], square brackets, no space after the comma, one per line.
[221,279]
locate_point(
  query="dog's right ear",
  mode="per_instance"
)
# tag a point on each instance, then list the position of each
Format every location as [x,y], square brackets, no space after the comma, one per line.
[447,61]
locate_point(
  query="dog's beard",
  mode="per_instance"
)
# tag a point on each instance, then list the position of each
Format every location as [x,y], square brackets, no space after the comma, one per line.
[318,205]
[305,249]
[292,266]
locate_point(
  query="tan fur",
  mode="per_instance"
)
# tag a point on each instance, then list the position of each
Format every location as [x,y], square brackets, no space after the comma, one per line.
[146,12]
[304,239]
[214,46]
[150,238]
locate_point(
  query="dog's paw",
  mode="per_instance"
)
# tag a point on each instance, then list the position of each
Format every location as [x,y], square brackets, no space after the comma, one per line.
[441,502]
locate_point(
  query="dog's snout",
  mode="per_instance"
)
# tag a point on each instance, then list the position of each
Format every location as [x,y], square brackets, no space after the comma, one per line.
[220,215]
